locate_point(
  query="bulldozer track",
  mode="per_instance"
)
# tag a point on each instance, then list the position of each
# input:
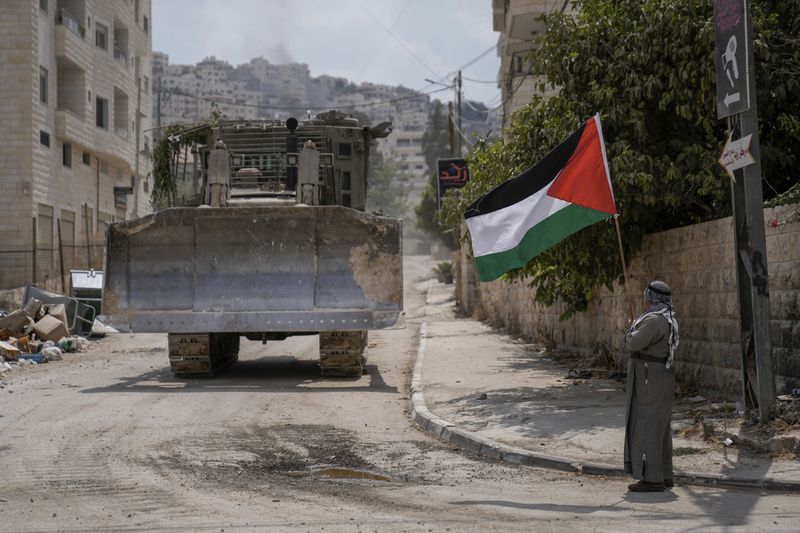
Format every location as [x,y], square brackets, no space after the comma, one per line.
[341,353]
[201,355]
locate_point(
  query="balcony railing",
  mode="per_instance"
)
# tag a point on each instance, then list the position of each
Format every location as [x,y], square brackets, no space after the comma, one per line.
[64,18]
[120,56]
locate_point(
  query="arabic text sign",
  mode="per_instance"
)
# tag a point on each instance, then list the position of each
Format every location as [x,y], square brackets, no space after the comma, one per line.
[451,174]
[736,155]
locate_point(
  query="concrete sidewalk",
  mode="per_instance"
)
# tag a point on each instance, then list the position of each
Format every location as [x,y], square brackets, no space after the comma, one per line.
[506,399]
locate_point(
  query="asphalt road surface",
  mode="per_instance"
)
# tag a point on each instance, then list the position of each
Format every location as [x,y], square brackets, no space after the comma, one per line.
[108,440]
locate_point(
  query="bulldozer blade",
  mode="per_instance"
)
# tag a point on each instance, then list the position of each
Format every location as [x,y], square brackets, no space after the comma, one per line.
[253,269]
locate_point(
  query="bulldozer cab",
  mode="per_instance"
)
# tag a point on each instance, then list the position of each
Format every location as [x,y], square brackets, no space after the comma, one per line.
[265,159]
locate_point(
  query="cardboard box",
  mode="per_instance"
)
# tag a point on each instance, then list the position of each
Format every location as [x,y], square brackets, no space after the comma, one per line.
[9,352]
[49,328]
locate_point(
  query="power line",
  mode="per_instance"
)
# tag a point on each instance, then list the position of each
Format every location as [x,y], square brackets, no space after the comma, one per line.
[468,63]
[393,36]
[473,80]
[477,58]
[380,45]
[510,94]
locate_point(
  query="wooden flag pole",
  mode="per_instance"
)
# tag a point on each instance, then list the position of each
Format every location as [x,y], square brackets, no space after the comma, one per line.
[624,268]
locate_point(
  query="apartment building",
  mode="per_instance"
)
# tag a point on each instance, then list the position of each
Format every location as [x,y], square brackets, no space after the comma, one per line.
[74,101]
[406,147]
[243,92]
[518,21]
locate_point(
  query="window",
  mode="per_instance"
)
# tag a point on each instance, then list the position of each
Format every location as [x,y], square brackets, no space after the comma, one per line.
[346,181]
[43,5]
[101,112]
[345,150]
[66,154]
[146,84]
[87,159]
[90,96]
[44,138]
[101,36]
[145,24]
[43,85]
[88,220]
[67,238]
[44,239]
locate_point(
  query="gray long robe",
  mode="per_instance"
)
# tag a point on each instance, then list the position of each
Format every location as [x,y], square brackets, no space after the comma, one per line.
[649,391]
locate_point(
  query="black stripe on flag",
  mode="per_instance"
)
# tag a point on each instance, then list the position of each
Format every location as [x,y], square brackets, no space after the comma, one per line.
[529,182]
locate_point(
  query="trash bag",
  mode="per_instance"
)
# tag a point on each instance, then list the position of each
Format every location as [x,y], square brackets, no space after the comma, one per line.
[51,354]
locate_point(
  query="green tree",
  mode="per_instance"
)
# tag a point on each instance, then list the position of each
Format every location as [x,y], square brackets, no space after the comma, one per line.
[436,138]
[647,66]
[435,145]
[387,185]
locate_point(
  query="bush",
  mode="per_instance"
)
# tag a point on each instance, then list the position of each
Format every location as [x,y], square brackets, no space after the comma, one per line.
[444,272]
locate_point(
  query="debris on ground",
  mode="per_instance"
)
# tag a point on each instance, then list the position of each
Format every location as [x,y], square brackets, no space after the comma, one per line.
[8,351]
[729,425]
[52,353]
[50,328]
[35,334]
[101,330]
[33,357]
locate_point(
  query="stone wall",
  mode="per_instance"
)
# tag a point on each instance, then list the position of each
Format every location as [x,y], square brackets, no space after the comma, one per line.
[698,263]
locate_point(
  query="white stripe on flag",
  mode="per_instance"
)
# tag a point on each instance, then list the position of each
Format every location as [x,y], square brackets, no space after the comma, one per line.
[502,230]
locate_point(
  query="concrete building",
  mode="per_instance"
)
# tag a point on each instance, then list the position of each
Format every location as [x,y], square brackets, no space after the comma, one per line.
[74,94]
[406,147]
[243,92]
[518,21]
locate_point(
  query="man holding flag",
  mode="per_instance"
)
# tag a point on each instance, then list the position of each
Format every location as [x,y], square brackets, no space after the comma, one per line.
[568,190]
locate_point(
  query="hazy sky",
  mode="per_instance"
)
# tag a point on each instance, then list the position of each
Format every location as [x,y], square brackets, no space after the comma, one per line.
[411,39]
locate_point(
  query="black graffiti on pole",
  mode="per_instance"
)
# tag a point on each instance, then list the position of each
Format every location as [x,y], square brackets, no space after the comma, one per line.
[731,53]
[760,279]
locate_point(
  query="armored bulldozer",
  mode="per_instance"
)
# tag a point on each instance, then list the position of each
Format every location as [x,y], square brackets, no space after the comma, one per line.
[275,243]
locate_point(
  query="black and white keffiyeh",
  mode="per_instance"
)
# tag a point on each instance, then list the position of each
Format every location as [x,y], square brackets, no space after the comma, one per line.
[659,295]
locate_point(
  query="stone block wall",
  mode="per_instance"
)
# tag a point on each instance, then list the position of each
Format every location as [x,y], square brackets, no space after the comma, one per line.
[698,263]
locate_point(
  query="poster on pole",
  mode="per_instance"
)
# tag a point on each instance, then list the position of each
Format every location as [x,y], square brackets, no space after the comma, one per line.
[731,53]
[451,174]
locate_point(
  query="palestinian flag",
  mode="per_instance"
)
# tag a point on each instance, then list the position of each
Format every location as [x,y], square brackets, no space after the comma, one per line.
[564,192]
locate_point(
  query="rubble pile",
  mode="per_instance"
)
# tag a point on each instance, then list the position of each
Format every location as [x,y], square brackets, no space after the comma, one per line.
[729,425]
[37,333]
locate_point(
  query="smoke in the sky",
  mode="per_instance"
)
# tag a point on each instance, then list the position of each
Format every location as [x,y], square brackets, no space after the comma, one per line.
[279,54]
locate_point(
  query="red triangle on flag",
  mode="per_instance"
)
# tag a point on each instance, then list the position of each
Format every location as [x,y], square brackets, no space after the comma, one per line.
[584,181]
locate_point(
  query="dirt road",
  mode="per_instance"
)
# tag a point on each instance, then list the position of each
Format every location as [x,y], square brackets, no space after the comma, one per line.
[108,440]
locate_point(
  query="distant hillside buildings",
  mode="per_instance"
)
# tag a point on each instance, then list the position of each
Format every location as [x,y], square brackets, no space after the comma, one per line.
[260,89]
[263,90]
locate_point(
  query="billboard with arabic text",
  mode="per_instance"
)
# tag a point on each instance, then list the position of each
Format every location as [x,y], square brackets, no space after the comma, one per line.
[451,174]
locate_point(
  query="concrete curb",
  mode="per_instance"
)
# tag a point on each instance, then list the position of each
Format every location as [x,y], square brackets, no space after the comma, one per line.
[467,440]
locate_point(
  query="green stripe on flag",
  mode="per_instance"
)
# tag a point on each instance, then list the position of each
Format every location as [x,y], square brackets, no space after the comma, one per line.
[539,238]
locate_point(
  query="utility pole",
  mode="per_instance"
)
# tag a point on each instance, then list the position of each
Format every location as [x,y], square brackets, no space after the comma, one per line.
[451,129]
[138,131]
[736,99]
[458,96]
[157,134]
